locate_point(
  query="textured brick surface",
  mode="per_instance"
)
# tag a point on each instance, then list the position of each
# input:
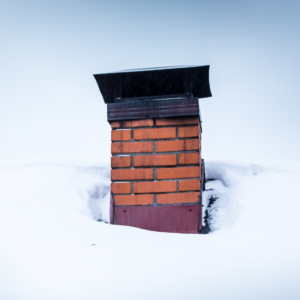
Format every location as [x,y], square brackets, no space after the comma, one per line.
[132,123]
[121,188]
[186,132]
[131,174]
[189,158]
[142,176]
[131,147]
[189,185]
[154,133]
[155,160]
[181,172]
[120,161]
[177,121]
[177,198]
[181,145]
[154,187]
[121,135]
[134,199]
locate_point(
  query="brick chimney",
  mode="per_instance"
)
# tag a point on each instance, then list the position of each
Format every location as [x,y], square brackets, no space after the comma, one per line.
[157,170]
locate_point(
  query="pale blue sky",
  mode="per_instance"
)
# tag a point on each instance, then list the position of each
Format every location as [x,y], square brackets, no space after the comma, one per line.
[51,106]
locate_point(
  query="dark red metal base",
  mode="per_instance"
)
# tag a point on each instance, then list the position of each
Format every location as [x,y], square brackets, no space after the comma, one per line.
[167,218]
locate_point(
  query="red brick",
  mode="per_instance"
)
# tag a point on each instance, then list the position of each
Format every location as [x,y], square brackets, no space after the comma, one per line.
[189,158]
[133,147]
[121,188]
[155,160]
[186,132]
[177,198]
[120,161]
[131,174]
[120,135]
[132,123]
[134,200]
[177,121]
[154,187]
[189,185]
[154,133]
[181,145]
[181,172]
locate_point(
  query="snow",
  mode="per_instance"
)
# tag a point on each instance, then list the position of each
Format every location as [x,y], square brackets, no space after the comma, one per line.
[52,247]
[152,69]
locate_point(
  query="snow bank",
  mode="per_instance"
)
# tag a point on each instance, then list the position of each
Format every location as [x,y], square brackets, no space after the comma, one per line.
[55,187]
[223,179]
[52,247]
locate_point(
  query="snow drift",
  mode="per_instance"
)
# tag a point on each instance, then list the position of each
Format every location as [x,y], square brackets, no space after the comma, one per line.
[52,247]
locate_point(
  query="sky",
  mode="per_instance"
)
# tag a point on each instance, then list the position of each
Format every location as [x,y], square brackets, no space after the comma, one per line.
[50,105]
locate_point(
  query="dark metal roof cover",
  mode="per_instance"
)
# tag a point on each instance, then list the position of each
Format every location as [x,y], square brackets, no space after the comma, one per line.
[153,82]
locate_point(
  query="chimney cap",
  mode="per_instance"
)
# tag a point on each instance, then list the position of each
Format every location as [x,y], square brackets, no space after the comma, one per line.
[154,82]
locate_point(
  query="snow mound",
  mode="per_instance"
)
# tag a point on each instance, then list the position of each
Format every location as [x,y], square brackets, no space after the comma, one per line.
[55,187]
[52,247]
[223,179]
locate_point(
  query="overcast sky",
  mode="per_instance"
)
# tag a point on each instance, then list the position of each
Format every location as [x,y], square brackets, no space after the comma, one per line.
[50,105]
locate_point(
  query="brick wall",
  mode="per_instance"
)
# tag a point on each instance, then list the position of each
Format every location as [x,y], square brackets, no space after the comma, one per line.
[156,161]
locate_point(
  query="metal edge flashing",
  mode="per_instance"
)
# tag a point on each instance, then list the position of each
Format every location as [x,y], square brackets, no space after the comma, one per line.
[202,188]
[111,208]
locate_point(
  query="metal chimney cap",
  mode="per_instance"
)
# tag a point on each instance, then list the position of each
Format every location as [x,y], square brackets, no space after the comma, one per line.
[154,82]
